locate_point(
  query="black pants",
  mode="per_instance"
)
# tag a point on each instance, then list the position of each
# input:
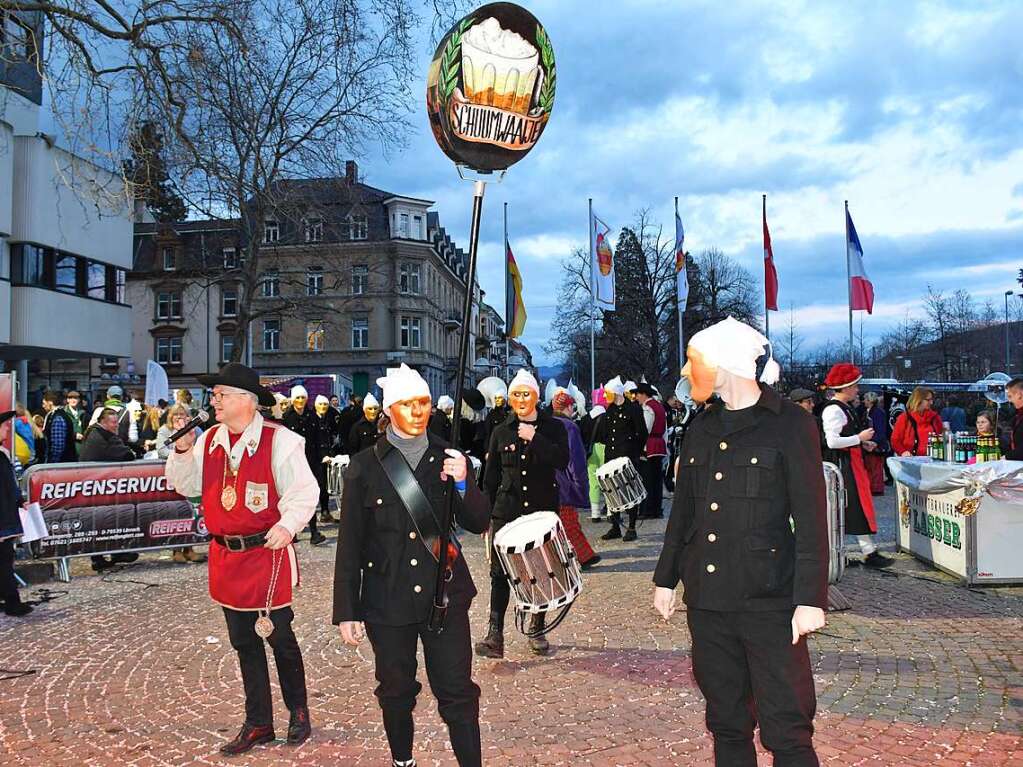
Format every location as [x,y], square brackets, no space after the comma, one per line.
[750,672]
[321,479]
[241,627]
[8,584]
[652,471]
[500,589]
[448,667]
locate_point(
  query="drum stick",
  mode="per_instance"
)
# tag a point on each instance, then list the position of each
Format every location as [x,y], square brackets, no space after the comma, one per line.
[486,541]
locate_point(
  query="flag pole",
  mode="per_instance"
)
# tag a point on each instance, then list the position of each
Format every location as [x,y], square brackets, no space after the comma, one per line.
[767,311]
[678,303]
[507,314]
[848,284]
[593,300]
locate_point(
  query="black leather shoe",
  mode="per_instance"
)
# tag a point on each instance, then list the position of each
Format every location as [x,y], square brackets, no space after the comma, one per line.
[877,560]
[248,737]
[630,534]
[590,562]
[317,539]
[17,609]
[299,728]
[610,535]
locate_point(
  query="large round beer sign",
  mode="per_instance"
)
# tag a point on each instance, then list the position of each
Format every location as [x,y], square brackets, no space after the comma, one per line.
[490,89]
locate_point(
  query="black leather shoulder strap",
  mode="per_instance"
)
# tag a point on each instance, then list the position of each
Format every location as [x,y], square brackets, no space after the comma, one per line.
[405,484]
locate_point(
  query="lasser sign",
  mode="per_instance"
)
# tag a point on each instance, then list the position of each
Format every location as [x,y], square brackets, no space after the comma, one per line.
[93,508]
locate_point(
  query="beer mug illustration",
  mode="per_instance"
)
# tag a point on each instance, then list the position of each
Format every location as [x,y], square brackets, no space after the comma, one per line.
[499,68]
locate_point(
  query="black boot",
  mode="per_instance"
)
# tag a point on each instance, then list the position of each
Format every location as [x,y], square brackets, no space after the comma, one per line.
[14,607]
[248,737]
[538,645]
[492,645]
[616,528]
[299,728]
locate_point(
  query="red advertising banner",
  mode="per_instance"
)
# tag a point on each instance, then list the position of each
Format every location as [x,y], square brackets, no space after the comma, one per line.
[96,508]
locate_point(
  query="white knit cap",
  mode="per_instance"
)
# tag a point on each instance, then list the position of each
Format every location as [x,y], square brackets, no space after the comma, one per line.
[597,410]
[524,378]
[615,385]
[402,383]
[445,403]
[299,391]
[369,401]
[321,400]
[629,386]
[735,347]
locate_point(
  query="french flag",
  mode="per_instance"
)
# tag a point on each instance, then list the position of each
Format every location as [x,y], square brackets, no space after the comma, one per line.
[861,289]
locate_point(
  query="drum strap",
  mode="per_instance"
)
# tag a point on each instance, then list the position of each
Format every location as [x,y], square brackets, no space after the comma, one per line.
[418,506]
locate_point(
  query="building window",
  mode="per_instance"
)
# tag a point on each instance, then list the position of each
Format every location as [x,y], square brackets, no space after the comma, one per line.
[66,273]
[411,332]
[417,228]
[314,336]
[403,230]
[226,348]
[168,350]
[230,258]
[168,259]
[313,230]
[118,286]
[360,279]
[96,275]
[168,306]
[229,302]
[355,227]
[360,332]
[314,281]
[409,277]
[271,335]
[271,232]
[271,284]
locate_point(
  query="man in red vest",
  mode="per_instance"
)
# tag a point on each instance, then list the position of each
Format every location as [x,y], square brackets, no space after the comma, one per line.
[257,493]
[651,465]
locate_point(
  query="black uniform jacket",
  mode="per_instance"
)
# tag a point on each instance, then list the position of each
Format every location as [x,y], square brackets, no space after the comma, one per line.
[729,538]
[520,475]
[362,435]
[304,425]
[622,430]
[383,572]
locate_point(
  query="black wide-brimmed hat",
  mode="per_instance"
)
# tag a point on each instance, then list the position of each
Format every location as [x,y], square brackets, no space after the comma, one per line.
[646,389]
[474,399]
[7,415]
[240,377]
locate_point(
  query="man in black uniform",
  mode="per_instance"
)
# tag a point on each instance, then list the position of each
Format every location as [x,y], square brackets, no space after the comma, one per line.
[349,416]
[622,430]
[499,412]
[301,420]
[440,419]
[525,452]
[386,569]
[324,438]
[365,432]
[754,583]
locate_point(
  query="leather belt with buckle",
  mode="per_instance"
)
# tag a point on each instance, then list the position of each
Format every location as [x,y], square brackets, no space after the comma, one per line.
[238,543]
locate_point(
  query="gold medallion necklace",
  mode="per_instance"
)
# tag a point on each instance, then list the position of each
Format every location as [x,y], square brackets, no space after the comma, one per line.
[229,493]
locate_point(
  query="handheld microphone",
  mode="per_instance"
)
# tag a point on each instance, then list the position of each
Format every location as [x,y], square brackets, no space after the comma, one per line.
[200,418]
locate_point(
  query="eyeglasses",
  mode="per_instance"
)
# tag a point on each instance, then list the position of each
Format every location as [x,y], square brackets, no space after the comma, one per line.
[217,396]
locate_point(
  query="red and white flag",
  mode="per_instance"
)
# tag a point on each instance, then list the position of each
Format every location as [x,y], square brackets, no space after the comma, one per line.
[861,289]
[770,273]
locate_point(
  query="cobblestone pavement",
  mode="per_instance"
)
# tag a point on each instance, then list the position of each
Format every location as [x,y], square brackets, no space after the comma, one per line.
[134,668]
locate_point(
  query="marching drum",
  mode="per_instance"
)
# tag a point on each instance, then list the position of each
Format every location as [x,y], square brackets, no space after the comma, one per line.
[336,475]
[539,562]
[621,484]
[836,521]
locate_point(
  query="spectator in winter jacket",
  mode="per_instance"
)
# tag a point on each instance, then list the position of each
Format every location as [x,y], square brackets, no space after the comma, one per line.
[1012,449]
[573,482]
[59,430]
[73,407]
[915,426]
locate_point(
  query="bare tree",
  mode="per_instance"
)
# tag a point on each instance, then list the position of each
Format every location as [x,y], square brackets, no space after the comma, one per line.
[726,289]
[788,340]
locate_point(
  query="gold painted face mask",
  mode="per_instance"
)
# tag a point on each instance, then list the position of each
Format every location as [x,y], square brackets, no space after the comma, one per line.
[498,400]
[523,401]
[411,416]
[371,412]
[299,403]
[701,374]
[322,408]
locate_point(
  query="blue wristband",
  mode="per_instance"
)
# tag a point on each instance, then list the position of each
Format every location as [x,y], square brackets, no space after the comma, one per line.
[460,486]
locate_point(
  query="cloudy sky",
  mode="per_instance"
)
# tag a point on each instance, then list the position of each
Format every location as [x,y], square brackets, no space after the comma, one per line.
[911,111]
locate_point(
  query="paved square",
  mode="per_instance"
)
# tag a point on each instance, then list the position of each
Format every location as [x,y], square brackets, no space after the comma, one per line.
[134,668]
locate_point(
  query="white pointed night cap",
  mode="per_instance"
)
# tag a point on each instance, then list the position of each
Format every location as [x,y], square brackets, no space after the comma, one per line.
[369,401]
[524,378]
[445,403]
[615,385]
[299,391]
[402,383]
[735,347]
[321,400]
[629,386]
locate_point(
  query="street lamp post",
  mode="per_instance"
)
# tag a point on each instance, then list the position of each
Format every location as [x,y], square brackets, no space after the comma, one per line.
[1007,361]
